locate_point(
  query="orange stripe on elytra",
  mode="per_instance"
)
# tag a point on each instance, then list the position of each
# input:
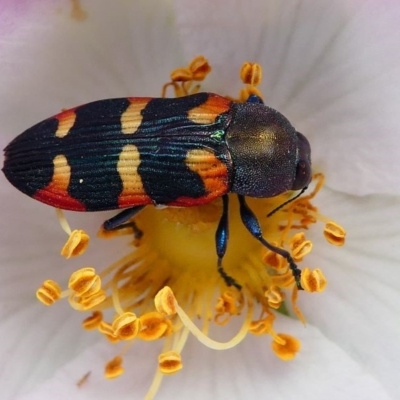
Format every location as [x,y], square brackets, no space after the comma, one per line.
[132,117]
[66,120]
[212,171]
[56,192]
[133,192]
[207,112]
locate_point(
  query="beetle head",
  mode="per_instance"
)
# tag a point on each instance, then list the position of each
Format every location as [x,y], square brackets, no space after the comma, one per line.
[303,168]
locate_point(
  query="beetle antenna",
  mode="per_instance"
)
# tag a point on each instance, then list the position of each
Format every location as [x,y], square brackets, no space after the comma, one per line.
[287,202]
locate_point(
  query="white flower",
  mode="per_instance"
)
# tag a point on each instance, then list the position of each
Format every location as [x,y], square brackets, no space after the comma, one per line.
[332,68]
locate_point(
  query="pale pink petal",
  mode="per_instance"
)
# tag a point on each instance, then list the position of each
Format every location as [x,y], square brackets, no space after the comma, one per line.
[322,370]
[359,309]
[332,67]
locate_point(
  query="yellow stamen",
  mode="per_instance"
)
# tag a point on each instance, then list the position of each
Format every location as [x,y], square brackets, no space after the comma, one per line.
[78,240]
[274,260]
[183,78]
[88,302]
[165,301]
[154,326]
[251,74]
[227,304]
[93,321]
[200,68]
[105,328]
[334,233]
[76,244]
[181,75]
[274,297]
[212,344]
[313,281]
[85,281]
[126,326]
[262,326]
[63,221]
[114,368]
[49,292]
[288,349]
[300,246]
[296,309]
[170,362]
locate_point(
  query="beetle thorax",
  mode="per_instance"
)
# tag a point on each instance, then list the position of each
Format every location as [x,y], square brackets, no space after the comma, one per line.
[263,147]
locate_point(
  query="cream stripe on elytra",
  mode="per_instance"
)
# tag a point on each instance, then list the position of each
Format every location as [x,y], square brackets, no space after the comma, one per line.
[132,117]
[127,166]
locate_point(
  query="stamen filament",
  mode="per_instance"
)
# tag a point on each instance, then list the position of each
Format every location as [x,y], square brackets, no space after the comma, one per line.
[212,344]
[155,385]
[63,221]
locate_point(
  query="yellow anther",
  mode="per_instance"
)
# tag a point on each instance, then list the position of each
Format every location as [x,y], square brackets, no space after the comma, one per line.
[165,301]
[306,221]
[300,246]
[182,78]
[76,245]
[262,326]
[88,302]
[227,304]
[85,282]
[251,74]
[313,281]
[114,368]
[274,297]
[199,68]
[181,75]
[334,234]
[111,338]
[105,328]
[154,326]
[169,362]
[48,293]
[288,347]
[274,260]
[297,240]
[92,322]
[126,326]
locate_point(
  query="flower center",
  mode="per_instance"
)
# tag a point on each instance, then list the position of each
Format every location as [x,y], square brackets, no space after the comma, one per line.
[168,284]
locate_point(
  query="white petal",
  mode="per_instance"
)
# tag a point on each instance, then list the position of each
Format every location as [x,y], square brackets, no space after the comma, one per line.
[53,61]
[359,310]
[322,370]
[330,66]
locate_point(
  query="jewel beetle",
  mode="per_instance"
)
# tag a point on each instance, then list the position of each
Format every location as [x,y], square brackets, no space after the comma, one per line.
[127,153]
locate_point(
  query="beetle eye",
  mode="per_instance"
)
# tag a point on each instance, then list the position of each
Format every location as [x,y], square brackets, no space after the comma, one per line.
[303,175]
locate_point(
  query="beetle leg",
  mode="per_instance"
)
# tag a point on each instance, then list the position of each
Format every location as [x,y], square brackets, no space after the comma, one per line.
[252,225]
[221,241]
[120,221]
